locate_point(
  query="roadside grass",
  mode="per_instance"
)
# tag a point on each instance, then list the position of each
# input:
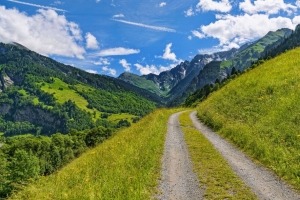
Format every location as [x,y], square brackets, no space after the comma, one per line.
[126,166]
[214,173]
[260,113]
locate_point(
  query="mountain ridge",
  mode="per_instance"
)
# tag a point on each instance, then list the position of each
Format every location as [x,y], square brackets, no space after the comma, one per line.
[63,97]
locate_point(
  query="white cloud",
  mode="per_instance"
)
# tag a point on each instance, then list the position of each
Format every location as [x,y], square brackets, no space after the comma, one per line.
[168,55]
[198,34]
[158,28]
[119,51]
[91,41]
[91,71]
[233,31]
[125,64]
[210,5]
[189,12]
[119,15]
[266,6]
[190,37]
[97,1]
[58,2]
[45,32]
[102,61]
[36,5]
[110,71]
[152,69]
[162,4]
[296,20]
[298,3]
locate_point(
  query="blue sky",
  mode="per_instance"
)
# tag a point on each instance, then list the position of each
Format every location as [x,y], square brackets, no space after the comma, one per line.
[113,36]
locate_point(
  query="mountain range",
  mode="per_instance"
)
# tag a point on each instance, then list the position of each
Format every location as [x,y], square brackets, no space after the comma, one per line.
[41,96]
[175,85]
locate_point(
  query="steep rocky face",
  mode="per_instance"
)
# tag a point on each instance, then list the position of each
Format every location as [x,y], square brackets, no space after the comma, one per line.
[5,82]
[186,71]
[39,117]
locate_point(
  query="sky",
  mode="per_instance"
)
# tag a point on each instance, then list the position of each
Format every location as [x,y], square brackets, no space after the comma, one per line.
[115,36]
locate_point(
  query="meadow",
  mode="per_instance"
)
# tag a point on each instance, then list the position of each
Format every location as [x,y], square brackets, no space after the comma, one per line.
[63,93]
[260,113]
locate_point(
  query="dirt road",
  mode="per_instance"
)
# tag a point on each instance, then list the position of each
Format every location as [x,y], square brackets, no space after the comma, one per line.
[178,179]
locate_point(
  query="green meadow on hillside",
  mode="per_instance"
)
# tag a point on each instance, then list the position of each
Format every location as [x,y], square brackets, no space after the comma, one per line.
[62,92]
[260,113]
[126,166]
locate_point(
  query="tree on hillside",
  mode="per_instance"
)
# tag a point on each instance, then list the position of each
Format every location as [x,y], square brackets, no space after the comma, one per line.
[23,167]
[3,176]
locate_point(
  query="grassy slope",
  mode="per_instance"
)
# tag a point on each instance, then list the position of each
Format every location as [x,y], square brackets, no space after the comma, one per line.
[127,166]
[260,113]
[214,173]
[66,94]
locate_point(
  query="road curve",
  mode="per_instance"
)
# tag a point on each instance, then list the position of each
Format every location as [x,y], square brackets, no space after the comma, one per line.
[263,183]
[178,179]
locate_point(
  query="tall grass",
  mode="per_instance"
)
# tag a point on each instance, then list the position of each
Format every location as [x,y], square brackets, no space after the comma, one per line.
[260,113]
[127,166]
[215,175]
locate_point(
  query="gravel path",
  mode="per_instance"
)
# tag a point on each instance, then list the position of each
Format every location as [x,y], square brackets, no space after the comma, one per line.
[262,182]
[178,179]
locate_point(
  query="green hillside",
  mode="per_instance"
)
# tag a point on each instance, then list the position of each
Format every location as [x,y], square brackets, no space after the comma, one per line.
[260,113]
[41,96]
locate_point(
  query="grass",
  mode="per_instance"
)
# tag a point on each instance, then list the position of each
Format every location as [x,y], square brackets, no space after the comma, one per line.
[126,166]
[214,173]
[117,117]
[23,93]
[65,93]
[260,113]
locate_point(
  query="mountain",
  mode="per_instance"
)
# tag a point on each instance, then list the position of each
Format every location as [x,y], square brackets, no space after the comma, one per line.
[250,54]
[217,71]
[41,96]
[175,85]
[168,84]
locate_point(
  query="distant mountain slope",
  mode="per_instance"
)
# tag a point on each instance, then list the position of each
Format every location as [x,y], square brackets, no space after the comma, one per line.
[242,60]
[44,96]
[169,84]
